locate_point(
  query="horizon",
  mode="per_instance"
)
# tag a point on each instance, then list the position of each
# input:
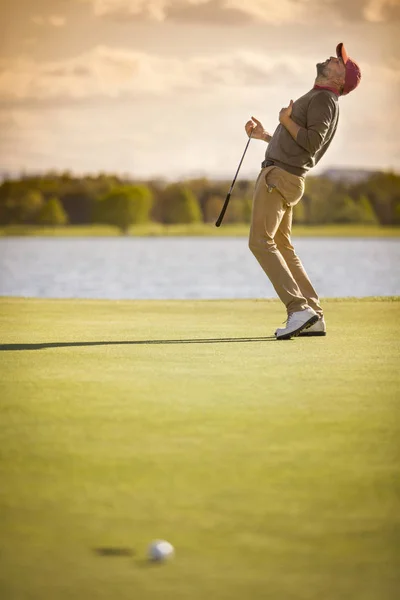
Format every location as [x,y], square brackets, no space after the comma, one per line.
[339,173]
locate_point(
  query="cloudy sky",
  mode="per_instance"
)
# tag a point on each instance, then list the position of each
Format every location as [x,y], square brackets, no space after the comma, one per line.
[162,88]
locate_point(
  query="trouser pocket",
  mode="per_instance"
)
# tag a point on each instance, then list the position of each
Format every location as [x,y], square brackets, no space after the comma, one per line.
[289,186]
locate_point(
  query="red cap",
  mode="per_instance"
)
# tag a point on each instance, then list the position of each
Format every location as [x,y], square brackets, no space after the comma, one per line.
[353,73]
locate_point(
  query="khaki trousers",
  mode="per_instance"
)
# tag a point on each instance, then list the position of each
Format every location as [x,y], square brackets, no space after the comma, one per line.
[276,192]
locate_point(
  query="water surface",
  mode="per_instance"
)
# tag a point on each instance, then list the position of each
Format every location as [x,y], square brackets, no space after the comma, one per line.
[184,268]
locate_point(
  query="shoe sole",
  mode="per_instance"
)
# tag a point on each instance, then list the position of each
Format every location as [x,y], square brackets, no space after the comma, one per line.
[311,333]
[297,331]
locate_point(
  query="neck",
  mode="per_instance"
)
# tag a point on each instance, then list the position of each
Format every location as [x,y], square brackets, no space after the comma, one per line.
[323,81]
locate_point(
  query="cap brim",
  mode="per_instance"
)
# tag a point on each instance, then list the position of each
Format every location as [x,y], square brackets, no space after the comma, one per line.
[341,53]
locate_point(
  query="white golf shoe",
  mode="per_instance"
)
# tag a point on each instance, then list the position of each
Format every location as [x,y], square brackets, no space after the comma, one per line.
[296,323]
[319,328]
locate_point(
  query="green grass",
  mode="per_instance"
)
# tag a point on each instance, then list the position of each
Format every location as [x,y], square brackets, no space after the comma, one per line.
[273,467]
[197,229]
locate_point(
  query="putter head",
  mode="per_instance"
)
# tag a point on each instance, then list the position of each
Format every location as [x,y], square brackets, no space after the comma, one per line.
[225,206]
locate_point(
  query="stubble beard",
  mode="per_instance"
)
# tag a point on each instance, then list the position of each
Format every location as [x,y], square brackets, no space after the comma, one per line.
[321,69]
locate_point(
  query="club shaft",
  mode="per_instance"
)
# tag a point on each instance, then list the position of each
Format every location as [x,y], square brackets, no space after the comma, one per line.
[228,197]
[240,164]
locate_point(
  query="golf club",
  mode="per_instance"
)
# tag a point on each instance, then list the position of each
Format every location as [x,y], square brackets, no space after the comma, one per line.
[225,206]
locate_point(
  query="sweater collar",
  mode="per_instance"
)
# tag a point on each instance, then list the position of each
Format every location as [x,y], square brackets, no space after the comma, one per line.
[325,87]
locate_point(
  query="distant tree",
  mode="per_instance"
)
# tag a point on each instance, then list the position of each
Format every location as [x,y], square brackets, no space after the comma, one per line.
[203,189]
[235,212]
[396,219]
[109,198]
[299,213]
[156,186]
[341,208]
[178,204]
[315,200]
[18,203]
[383,191]
[29,206]
[366,211]
[212,208]
[49,185]
[124,206]
[52,213]
[238,211]
[247,209]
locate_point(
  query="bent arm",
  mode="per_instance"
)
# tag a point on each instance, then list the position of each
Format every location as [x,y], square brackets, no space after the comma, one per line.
[320,115]
[292,127]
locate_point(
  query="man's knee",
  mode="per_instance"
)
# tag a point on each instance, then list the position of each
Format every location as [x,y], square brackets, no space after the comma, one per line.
[257,243]
[284,246]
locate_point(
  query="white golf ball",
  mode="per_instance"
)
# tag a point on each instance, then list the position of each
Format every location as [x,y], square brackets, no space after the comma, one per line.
[160,550]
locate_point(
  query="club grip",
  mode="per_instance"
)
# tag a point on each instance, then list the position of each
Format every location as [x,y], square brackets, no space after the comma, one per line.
[223,211]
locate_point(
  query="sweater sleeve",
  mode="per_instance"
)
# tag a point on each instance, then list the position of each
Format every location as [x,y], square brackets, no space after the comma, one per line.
[320,114]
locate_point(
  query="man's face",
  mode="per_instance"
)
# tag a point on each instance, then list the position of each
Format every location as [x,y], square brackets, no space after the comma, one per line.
[332,68]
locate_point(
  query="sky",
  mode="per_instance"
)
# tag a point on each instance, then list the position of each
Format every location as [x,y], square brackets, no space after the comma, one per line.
[163,88]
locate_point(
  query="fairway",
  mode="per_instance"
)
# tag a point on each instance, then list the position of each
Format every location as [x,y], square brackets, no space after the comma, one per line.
[272,467]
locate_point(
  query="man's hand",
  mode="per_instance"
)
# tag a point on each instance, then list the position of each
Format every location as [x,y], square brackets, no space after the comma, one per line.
[285,113]
[285,119]
[257,131]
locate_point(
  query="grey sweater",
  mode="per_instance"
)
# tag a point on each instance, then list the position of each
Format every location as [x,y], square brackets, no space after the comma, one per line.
[317,113]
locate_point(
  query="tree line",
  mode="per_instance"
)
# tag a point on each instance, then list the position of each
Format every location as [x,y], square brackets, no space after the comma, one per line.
[61,199]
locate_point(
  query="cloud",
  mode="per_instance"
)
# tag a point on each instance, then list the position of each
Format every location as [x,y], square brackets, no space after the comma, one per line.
[378,11]
[51,20]
[111,73]
[38,20]
[386,76]
[57,20]
[216,12]
[238,12]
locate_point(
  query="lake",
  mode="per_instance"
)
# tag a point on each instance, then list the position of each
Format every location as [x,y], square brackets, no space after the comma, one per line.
[188,268]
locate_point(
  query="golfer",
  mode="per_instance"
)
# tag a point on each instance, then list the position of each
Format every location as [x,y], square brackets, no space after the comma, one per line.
[305,131]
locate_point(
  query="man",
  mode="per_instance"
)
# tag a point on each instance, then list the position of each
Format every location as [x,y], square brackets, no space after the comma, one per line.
[305,131]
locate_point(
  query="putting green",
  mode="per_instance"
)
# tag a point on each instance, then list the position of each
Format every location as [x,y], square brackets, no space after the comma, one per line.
[272,467]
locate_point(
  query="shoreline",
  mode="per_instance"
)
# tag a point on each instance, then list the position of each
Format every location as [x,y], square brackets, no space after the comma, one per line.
[196,230]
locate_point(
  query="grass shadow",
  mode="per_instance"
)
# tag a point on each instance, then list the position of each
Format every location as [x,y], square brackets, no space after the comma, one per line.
[113,551]
[45,345]
[121,552]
